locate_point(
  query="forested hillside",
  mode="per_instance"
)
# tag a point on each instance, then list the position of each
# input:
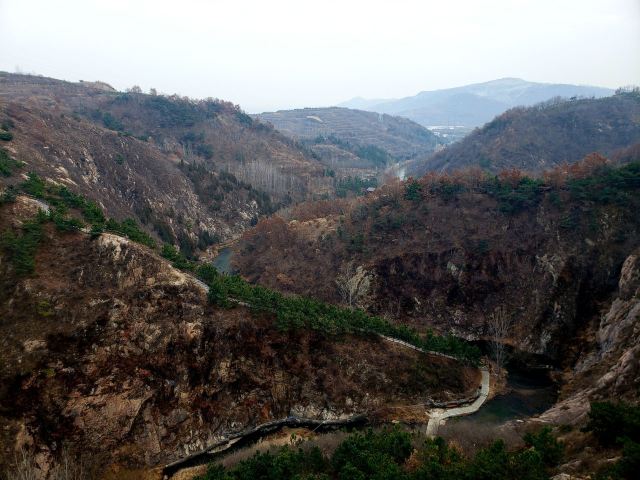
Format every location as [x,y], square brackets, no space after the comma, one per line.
[541,137]
[350,141]
[192,173]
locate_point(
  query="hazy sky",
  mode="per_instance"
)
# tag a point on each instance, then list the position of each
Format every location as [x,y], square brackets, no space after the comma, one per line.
[274,54]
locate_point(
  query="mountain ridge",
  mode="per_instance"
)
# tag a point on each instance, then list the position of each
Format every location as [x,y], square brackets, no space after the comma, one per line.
[431,107]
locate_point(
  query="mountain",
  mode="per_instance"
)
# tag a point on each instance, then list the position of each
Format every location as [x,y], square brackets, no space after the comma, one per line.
[354,139]
[555,261]
[110,352]
[476,104]
[192,173]
[543,136]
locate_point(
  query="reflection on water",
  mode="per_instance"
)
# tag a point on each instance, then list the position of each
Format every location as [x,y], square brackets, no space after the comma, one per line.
[223,261]
[528,395]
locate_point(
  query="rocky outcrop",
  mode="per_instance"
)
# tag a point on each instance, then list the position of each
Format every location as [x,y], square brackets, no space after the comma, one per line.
[611,370]
[110,348]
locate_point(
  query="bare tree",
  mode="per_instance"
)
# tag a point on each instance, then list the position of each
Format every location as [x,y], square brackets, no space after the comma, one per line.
[499,327]
[25,467]
[353,284]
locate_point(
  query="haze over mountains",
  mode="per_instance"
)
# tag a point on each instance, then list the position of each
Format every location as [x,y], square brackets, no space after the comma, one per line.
[475,104]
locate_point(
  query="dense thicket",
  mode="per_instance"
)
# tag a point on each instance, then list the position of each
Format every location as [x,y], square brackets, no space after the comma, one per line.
[617,425]
[386,455]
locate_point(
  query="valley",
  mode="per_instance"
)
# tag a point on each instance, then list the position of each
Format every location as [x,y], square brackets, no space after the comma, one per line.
[184,284]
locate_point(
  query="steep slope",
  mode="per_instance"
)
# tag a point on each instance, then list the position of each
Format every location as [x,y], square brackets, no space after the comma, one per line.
[473,105]
[110,350]
[344,138]
[190,171]
[542,137]
[450,253]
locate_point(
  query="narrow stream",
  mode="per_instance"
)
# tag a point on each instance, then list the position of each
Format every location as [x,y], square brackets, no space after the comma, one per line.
[223,261]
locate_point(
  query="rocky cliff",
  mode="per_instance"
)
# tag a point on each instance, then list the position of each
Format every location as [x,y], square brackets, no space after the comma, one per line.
[449,255]
[109,349]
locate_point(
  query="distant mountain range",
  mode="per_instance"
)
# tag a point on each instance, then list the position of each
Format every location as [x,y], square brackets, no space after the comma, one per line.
[473,105]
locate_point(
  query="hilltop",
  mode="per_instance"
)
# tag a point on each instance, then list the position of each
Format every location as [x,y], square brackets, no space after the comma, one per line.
[354,142]
[544,136]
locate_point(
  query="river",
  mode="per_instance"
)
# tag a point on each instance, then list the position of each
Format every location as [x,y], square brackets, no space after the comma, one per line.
[528,394]
[222,262]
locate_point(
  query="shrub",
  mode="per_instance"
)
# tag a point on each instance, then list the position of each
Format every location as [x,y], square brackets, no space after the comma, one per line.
[8,164]
[21,249]
[546,445]
[130,229]
[612,422]
[63,223]
[176,257]
[9,195]
[356,185]
[512,199]
[294,312]
[373,453]
[34,185]
[6,136]
[608,185]
[383,455]
[373,154]
[111,122]
[204,150]
[412,191]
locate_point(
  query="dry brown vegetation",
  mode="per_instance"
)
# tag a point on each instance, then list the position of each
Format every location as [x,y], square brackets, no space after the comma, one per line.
[193,173]
[543,136]
[447,250]
[110,348]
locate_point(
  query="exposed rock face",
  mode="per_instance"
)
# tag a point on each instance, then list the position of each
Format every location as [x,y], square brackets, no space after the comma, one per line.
[167,162]
[110,348]
[611,370]
[449,264]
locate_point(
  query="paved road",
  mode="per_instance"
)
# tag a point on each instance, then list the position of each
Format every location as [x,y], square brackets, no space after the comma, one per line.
[438,415]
